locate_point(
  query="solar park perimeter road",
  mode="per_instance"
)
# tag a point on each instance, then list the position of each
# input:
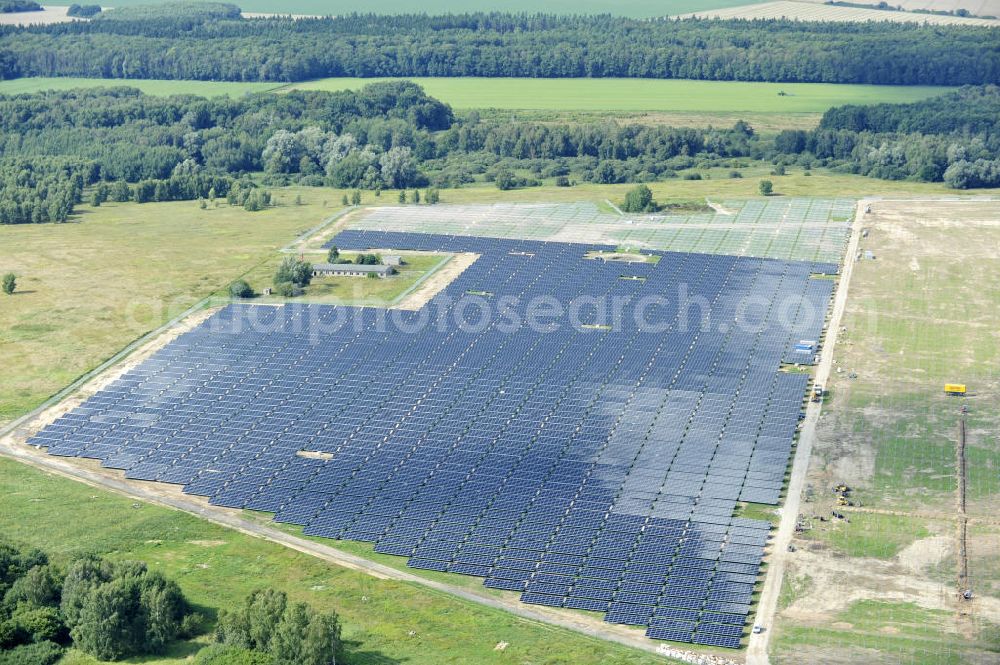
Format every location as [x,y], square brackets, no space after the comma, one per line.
[12,446]
[757,646]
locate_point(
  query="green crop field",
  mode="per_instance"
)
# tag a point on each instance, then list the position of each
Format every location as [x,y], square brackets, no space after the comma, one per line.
[217,567]
[148,86]
[645,94]
[636,8]
[563,95]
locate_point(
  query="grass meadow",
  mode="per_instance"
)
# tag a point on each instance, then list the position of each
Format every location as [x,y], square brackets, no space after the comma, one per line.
[89,287]
[673,96]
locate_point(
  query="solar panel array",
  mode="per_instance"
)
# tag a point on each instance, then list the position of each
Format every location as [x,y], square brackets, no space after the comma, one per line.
[791,229]
[584,467]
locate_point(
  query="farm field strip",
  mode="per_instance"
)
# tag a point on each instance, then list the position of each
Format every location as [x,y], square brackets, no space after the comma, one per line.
[809,11]
[563,95]
[611,94]
[160,87]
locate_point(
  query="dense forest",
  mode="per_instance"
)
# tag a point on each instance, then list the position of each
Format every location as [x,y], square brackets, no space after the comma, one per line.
[970,110]
[954,138]
[212,42]
[386,135]
[121,145]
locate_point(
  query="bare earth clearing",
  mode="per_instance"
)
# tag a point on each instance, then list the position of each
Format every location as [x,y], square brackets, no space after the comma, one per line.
[883,587]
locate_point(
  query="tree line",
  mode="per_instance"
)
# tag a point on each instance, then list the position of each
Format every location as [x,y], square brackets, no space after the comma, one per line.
[13,6]
[954,138]
[215,43]
[969,110]
[121,145]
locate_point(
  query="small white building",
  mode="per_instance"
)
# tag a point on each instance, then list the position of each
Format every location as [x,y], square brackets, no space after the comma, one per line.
[392,259]
[350,270]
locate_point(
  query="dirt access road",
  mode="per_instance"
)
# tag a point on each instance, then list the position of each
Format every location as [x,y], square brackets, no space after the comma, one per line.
[757,648]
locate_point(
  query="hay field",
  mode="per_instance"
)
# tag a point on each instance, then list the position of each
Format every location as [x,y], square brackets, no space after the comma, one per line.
[809,11]
[977,7]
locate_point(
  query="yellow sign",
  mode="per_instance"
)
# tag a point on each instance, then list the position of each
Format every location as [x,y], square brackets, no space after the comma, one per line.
[954,388]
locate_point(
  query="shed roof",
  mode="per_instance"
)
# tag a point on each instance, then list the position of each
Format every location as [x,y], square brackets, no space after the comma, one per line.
[348,267]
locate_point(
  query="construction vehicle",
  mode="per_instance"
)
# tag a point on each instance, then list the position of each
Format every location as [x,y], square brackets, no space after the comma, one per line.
[844,501]
[842,488]
[818,392]
[956,389]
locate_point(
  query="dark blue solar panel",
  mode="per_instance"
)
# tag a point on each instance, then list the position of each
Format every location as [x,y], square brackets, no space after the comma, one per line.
[586,467]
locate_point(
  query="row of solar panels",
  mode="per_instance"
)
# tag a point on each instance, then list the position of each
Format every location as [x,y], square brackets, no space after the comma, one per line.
[537,449]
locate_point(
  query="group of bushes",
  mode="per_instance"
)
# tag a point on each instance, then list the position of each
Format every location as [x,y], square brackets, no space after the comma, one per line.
[13,6]
[114,610]
[110,610]
[267,629]
[83,11]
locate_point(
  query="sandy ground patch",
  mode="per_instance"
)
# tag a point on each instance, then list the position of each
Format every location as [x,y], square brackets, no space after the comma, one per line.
[927,552]
[437,282]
